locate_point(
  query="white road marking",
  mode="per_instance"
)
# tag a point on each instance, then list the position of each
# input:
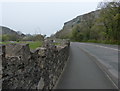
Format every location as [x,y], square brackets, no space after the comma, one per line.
[101,46]
[111,80]
[100,66]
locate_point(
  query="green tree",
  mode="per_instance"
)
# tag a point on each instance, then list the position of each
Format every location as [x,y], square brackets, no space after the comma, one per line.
[38,37]
[110,17]
[5,37]
[76,34]
[88,21]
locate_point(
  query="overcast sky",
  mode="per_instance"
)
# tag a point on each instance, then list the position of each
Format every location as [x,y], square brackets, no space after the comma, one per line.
[41,17]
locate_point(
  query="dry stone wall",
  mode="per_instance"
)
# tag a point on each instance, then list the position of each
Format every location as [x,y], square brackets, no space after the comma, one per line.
[38,69]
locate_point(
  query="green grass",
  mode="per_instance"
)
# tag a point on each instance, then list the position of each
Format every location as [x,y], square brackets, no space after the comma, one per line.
[56,43]
[32,44]
[4,42]
[103,42]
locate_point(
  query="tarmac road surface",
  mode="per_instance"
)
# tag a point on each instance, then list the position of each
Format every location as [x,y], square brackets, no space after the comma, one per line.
[82,72]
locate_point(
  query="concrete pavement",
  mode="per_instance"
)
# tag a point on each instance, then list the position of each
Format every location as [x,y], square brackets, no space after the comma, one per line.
[82,72]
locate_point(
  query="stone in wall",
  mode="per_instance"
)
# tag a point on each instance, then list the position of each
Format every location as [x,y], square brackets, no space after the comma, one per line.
[2,49]
[20,69]
[2,58]
[41,84]
[21,50]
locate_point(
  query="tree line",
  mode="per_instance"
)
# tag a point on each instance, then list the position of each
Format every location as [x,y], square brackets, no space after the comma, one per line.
[28,37]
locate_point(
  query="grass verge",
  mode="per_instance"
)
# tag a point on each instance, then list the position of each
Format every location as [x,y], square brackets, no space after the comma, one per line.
[32,44]
[103,42]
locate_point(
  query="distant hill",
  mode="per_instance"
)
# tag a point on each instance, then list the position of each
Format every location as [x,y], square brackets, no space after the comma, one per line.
[7,34]
[8,31]
[65,32]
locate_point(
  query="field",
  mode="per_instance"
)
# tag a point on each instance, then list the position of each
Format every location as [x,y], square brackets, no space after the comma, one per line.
[32,44]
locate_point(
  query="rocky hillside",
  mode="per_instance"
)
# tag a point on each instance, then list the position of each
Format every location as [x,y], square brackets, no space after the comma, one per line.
[68,26]
[8,31]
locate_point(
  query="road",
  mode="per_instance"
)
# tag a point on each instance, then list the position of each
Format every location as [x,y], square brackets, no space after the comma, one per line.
[82,70]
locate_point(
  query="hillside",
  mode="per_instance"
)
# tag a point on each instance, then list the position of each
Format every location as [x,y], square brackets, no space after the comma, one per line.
[8,31]
[7,34]
[68,26]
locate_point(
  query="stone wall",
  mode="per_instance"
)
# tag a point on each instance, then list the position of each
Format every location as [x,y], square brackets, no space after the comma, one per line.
[38,69]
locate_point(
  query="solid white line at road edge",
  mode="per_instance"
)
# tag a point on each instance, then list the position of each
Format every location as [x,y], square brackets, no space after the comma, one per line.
[101,46]
[99,66]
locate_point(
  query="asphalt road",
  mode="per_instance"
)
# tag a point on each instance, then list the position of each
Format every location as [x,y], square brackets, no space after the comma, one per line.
[82,72]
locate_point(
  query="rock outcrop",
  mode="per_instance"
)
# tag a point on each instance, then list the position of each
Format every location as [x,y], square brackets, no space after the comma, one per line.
[68,26]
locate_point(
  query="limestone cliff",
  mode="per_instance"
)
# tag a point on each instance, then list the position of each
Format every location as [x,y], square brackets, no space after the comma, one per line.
[68,26]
